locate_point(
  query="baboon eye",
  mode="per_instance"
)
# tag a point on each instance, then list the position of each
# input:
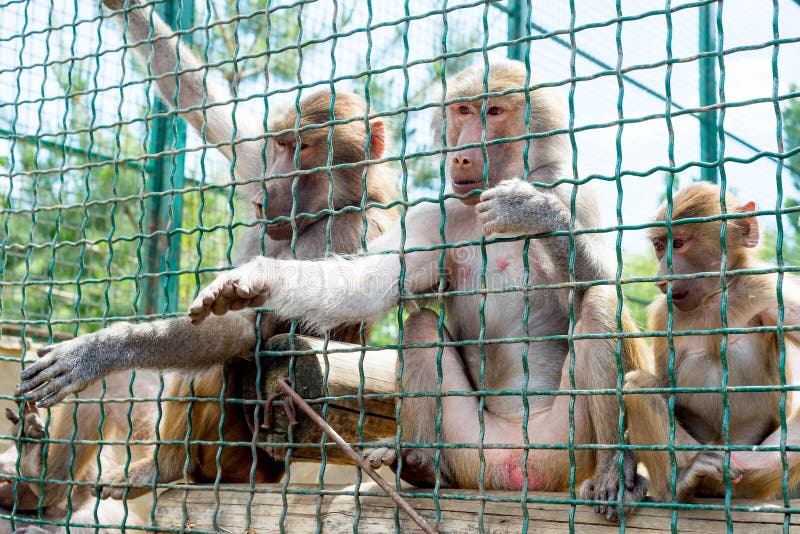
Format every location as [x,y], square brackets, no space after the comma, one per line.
[464,110]
[678,243]
[280,144]
[304,146]
[658,246]
[494,110]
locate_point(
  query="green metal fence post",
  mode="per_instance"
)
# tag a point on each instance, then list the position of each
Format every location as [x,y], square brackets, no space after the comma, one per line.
[166,173]
[517,15]
[708,91]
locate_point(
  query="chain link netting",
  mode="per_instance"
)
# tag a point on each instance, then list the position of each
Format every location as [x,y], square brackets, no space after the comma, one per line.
[113,209]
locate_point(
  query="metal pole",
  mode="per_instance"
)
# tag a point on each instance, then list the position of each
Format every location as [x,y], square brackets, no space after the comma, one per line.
[166,173]
[709,147]
[517,15]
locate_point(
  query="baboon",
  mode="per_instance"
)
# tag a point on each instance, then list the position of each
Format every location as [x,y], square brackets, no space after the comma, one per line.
[753,359]
[509,205]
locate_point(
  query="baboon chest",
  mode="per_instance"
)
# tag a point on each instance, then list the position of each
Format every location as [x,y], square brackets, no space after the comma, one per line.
[491,300]
[699,364]
[492,289]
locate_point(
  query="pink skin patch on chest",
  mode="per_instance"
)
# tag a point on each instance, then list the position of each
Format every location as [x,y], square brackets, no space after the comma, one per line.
[466,271]
[502,263]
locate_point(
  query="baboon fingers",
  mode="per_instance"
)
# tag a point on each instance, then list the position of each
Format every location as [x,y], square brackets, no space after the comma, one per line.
[198,312]
[379,457]
[228,290]
[11,416]
[257,301]
[486,195]
[34,427]
[32,386]
[486,216]
[34,368]
[221,305]
[55,391]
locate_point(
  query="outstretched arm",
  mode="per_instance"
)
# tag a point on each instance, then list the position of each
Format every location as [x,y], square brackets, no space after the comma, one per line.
[69,367]
[183,82]
[324,294]
[334,291]
[321,294]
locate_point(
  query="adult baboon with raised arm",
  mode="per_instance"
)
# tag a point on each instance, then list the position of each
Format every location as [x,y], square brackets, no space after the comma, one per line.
[307,290]
[288,204]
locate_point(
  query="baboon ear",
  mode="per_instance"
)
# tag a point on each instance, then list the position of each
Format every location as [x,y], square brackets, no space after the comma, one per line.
[749,227]
[11,416]
[377,139]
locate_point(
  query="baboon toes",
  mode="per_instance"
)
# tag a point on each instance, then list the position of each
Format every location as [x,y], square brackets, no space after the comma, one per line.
[417,467]
[380,456]
[605,485]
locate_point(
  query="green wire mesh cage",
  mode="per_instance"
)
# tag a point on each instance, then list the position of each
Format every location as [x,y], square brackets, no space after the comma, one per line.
[121,200]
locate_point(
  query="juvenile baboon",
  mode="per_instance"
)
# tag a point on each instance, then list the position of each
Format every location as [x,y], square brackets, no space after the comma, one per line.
[753,358]
[72,455]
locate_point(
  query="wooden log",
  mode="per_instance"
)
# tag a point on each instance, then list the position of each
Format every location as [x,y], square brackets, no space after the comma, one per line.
[323,370]
[261,512]
[14,330]
[14,347]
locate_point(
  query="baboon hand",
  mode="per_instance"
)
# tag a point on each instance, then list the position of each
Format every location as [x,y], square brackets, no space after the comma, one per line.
[64,369]
[32,429]
[517,207]
[707,469]
[244,287]
[116,5]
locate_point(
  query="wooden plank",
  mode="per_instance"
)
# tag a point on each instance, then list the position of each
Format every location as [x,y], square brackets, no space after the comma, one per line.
[13,347]
[339,513]
[14,330]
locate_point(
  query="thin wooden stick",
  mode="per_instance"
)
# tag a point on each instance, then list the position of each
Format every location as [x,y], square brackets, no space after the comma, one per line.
[283,383]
